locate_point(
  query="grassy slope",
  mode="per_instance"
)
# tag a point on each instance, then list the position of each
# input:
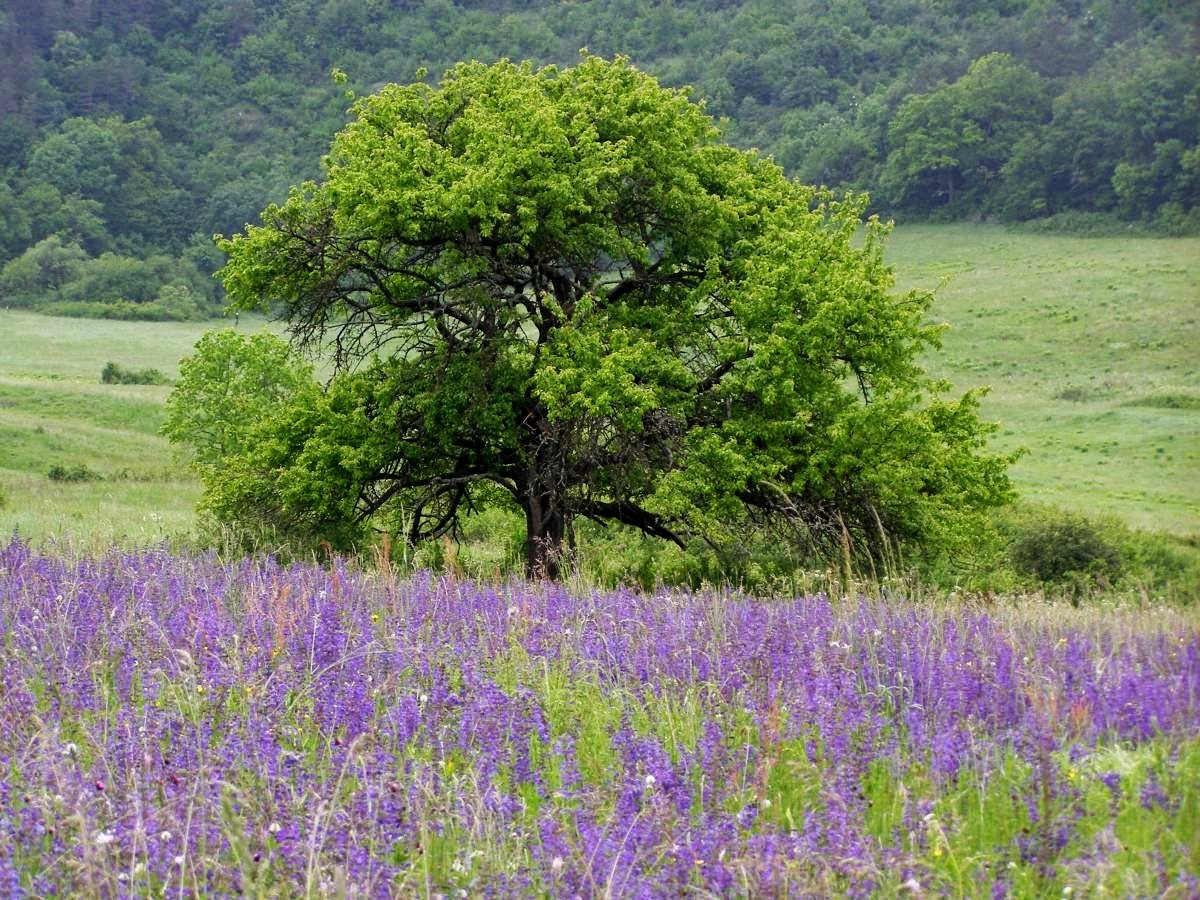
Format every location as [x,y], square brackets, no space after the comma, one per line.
[55,411]
[1089,346]
[1092,350]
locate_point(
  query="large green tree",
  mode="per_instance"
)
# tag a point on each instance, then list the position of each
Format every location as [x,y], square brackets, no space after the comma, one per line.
[949,147]
[559,287]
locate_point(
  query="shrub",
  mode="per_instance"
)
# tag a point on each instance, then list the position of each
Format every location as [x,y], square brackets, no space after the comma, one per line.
[1084,224]
[76,473]
[126,310]
[1060,547]
[1173,220]
[113,373]
[1164,565]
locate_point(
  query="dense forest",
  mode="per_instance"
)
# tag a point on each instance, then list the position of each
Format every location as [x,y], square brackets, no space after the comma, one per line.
[131,132]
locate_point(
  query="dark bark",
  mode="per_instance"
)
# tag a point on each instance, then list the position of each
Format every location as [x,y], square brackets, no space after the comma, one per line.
[545,530]
[542,495]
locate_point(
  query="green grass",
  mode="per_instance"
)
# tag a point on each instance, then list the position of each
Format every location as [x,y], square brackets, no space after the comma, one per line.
[55,411]
[1091,347]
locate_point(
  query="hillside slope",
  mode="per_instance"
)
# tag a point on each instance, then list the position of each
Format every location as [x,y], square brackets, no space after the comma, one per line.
[131,132]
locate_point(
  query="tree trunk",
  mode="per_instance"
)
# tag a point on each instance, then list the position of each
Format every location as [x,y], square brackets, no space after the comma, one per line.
[545,527]
[544,501]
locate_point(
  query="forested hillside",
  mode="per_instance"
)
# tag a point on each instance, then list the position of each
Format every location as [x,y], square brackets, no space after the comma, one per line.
[131,132]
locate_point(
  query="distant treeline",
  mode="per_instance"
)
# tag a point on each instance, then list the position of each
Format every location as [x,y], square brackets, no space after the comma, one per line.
[131,132]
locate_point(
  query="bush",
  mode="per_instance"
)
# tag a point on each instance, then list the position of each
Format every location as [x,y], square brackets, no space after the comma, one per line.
[112,373]
[1164,565]
[1174,221]
[1062,547]
[1081,223]
[153,311]
[74,473]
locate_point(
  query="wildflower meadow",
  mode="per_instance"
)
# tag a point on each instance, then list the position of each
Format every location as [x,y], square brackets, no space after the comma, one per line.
[177,726]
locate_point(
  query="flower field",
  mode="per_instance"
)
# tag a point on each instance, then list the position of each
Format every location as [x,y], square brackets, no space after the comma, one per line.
[174,726]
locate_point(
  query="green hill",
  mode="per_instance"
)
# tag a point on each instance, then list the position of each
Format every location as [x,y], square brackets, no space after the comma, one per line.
[131,132]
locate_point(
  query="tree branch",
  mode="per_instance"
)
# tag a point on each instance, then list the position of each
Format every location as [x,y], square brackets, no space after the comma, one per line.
[627,513]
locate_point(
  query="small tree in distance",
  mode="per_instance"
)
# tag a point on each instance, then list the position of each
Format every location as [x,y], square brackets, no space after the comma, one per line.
[558,288]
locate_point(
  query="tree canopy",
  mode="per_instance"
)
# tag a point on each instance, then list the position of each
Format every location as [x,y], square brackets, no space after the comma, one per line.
[558,288]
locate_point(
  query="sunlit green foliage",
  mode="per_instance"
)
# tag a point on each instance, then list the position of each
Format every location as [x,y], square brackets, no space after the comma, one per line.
[561,288]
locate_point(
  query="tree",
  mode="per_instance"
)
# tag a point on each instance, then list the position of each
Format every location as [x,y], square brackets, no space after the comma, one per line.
[37,274]
[225,388]
[955,141]
[559,287]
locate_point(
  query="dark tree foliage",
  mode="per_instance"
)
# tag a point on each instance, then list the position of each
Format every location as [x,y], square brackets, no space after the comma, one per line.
[133,127]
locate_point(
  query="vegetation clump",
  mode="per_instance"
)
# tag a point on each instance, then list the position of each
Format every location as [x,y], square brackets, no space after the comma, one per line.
[113,373]
[58,276]
[1058,548]
[78,472]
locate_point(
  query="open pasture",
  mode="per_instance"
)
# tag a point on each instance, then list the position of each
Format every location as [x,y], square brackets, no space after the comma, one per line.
[1091,347]
[178,726]
[55,412]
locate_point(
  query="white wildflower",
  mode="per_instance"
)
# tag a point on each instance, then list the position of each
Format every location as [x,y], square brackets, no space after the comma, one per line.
[556,864]
[274,828]
[104,838]
[165,836]
[650,781]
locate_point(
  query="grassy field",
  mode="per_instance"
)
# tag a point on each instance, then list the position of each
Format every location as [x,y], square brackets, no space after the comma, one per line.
[1092,351]
[1089,346]
[54,411]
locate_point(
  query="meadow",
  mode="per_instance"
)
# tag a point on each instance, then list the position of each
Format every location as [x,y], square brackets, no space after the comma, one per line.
[178,726]
[55,412]
[1087,345]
